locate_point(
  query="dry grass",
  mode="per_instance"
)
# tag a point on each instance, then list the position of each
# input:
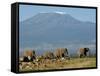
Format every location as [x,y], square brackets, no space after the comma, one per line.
[59,64]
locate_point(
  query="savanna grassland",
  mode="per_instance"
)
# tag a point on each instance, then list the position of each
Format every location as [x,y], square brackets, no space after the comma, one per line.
[50,64]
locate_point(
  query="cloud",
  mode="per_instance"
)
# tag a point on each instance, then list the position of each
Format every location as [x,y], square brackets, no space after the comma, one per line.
[60,12]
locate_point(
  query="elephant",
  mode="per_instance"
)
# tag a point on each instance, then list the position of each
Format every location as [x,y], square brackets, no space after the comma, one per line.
[83,52]
[48,55]
[61,52]
[29,55]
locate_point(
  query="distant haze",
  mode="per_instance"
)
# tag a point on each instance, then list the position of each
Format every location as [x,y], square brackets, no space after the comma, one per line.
[48,31]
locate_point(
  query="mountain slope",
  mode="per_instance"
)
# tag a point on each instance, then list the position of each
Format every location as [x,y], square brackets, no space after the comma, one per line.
[53,29]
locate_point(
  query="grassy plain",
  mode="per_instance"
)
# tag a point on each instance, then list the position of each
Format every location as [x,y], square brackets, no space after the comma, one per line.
[87,62]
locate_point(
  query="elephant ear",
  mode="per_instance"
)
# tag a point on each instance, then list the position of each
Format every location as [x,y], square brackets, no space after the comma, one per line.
[66,50]
[34,54]
[87,49]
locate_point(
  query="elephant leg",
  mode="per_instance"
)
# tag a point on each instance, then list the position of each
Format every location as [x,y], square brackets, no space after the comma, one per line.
[62,55]
[80,55]
[85,54]
[57,57]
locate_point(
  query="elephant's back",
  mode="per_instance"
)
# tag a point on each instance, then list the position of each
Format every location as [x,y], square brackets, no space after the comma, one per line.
[81,50]
[60,51]
[48,54]
[28,53]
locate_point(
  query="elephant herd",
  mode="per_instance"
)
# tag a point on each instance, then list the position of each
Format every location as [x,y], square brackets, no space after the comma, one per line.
[30,55]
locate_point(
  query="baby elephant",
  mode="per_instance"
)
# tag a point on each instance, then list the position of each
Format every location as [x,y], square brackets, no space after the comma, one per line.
[83,52]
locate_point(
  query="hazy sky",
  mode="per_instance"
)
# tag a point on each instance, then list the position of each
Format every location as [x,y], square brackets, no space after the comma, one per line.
[83,14]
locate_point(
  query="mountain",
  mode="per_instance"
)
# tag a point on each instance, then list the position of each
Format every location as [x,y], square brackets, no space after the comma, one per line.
[55,29]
